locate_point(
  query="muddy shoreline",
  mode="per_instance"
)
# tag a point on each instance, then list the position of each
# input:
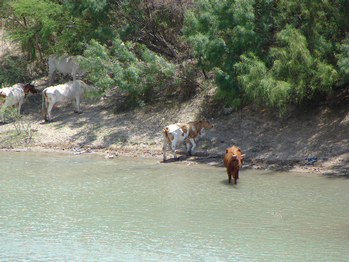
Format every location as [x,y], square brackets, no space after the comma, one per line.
[197,159]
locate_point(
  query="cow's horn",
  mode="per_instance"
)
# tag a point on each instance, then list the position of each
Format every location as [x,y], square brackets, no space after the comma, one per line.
[233,155]
[243,155]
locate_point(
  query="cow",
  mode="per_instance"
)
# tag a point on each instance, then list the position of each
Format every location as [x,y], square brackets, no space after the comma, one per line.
[14,95]
[177,133]
[65,65]
[61,94]
[233,161]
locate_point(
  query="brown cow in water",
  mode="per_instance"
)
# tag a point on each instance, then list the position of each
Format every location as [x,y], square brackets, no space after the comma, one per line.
[233,161]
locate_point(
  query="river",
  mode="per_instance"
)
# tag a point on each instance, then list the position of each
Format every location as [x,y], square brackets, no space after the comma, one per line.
[62,207]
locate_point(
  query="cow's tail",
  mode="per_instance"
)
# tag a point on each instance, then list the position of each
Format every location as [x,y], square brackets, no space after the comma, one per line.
[166,141]
[44,109]
[165,134]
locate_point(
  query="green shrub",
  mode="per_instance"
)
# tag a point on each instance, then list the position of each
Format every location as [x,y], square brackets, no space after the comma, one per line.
[132,68]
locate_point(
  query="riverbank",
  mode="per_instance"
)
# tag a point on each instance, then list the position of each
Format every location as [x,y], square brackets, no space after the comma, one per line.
[304,141]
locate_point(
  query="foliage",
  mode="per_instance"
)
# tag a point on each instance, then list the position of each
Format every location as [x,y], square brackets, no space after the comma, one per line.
[43,27]
[132,68]
[274,53]
[343,60]
[93,19]
[156,24]
[221,31]
[21,124]
[14,71]
[32,23]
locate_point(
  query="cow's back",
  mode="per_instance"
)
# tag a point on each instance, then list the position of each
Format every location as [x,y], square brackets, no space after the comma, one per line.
[18,91]
[64,64]
[13,95]
[65,92]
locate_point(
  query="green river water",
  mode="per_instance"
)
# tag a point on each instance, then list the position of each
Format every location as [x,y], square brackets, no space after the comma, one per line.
[56,207]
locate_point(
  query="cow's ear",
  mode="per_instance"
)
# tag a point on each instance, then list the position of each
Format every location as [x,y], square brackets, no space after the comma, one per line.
[226,151]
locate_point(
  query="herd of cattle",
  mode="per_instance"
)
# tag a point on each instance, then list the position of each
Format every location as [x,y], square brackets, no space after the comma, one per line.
[54,95]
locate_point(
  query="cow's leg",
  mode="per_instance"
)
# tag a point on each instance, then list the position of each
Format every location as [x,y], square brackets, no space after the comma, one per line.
[44,114]
[164,147]
[192,140]
[51,77]
[49,109]
[19,107]
[229,176]
[2,112]
[187,142]
[73,73]
[173,147]
[77,105]
[235,176]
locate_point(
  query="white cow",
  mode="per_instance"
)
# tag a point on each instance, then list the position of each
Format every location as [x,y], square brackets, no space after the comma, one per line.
[61,94]
[177,133]
[14,95]
[65,65]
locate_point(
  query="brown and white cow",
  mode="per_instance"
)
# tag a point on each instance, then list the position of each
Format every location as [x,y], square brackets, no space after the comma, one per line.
[233,162]
[177,133]
[61,94]
[14,95]
[65,65]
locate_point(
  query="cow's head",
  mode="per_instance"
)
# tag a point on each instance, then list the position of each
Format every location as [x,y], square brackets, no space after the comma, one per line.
[205,123]
[29,88]
[239,159]
[236,155]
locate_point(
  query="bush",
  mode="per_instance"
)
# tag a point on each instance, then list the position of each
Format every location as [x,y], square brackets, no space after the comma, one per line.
[14,70]
[132,68]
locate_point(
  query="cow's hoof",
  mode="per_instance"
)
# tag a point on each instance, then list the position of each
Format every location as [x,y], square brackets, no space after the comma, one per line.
[177,158]
[44,122]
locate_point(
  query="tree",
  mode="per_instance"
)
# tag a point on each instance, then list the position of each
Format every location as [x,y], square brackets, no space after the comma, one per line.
[33,24]
[131,67]
[156,24]
[220,32]
[275,52]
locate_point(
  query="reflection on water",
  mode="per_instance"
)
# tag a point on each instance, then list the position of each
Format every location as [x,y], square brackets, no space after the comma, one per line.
[87,208]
